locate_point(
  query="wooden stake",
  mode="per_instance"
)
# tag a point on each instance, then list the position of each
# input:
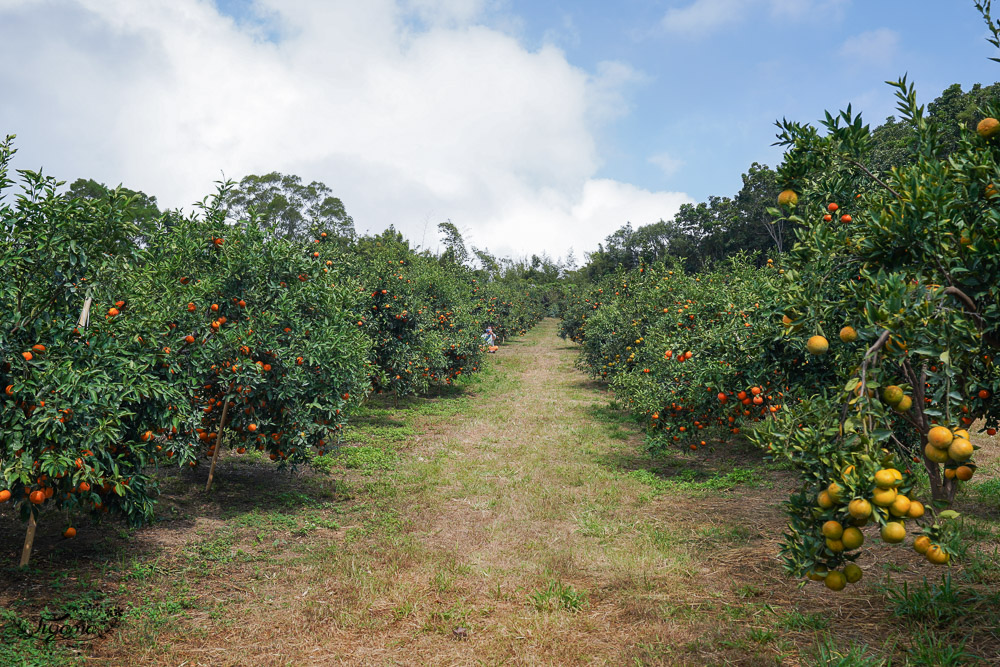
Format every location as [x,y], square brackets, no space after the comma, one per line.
[85,313]
[29,540]
[218,445]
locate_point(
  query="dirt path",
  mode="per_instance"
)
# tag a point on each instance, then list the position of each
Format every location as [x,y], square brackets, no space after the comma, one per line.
[525,530]
[518,523]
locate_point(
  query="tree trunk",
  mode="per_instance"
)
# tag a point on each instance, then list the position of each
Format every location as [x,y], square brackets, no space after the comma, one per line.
[29,541]
[218,445]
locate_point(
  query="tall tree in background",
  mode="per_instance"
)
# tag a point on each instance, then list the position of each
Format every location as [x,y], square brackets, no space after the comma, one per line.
[289,206]
[142,206]
[455,251]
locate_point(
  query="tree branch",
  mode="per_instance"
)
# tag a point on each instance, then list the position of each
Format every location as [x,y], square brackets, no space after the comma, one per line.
[874,177]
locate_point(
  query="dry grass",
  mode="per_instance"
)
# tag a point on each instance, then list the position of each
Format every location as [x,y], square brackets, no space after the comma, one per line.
[521,524]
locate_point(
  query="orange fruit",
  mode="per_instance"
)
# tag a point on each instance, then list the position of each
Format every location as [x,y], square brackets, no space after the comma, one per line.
[922,544]
[940,437]
[859,508]
[893,532]
[960,450]
[852,573]
[848,335]
[937,555]
[987,128]
[916,509]
[788,198]
[4,496]
[70,532]
[934,454]
[893,394]
[37,497]
[835,581]
[964,473]
[852,538]
[817,345]
[832,530]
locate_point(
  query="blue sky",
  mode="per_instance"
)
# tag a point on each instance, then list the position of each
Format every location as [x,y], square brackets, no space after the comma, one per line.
[535,126]
[709,97]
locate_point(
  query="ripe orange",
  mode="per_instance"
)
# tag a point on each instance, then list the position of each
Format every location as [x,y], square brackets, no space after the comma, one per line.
[832,530]
[817,345]
[27,356]
[37,497]
[916,509]
[940,437]
[70,533]
[960,450]
[893,394]
[788,198]
[987,128]
[937,555]
[832,207]
[852,538]
[964,473]
[845,218]
[859,508]
[934,454]
[4,496]
[893,532]
[835,581]
[848,335]
[112,312]
[922,544]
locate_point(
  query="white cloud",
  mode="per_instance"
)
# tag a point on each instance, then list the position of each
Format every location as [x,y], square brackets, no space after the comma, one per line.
[452,120]
[667,163]
[703,16]
[874,48]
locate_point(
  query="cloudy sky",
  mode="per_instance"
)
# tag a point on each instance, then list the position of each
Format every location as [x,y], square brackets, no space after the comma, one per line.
[533,125]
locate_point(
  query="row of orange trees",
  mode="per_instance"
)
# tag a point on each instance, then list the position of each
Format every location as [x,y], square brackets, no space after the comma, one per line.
[126,345]
[863,356]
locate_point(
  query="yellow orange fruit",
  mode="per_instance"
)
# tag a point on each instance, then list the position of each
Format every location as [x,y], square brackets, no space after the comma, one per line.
[852,573]
[987,128]
[824,500]
[835,581]
[893,532]
[818,345]
[916,509]
[940,437]
[884,479]
[832,530]
[788,198]
[960,450]
[934,454]
[922,544]
[904,404]
[883,497]
[937,555]
[893,394]
[859,508]
[836,492]
[852,538]
[900,506]
[848,335]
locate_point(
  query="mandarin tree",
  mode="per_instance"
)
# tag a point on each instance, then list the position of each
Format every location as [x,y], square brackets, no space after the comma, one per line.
[908,262]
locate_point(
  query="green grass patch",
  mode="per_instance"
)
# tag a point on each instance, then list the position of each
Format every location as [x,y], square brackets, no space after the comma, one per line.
[557,596]
[689,479]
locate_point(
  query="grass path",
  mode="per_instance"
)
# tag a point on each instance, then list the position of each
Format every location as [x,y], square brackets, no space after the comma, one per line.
[517,522]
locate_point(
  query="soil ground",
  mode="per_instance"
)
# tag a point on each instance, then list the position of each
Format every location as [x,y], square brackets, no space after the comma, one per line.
[516,519]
